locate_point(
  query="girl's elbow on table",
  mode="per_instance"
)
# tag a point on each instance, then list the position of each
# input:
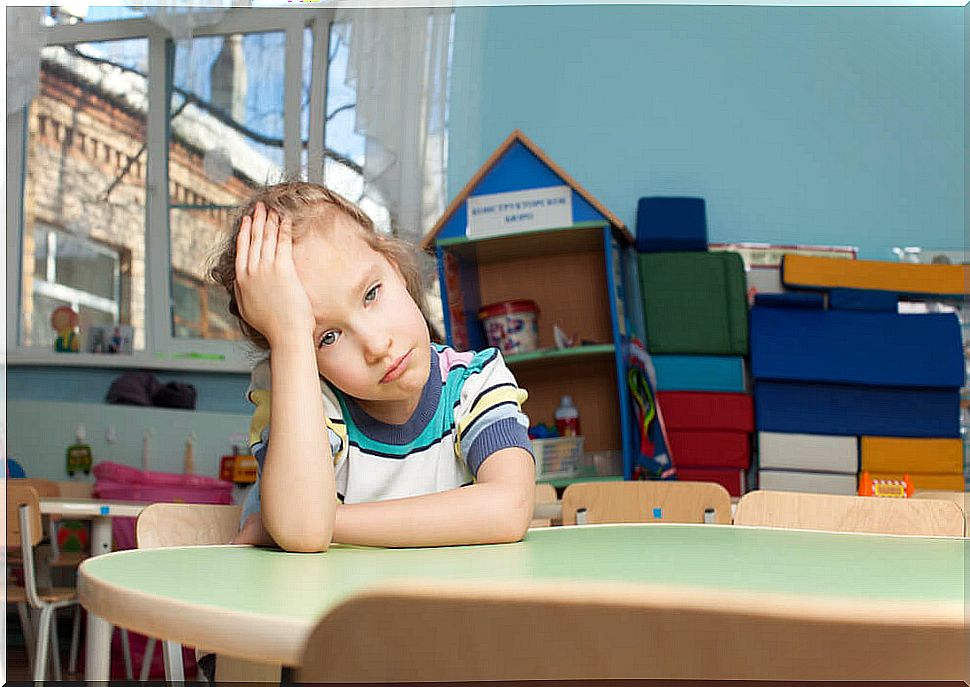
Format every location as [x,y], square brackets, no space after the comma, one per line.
[308,537]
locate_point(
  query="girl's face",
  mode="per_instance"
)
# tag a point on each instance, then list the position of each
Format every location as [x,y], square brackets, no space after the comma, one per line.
[371,339]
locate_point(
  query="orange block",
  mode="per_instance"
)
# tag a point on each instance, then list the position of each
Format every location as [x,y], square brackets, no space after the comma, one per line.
[893,454]
[904,277]
[926,482]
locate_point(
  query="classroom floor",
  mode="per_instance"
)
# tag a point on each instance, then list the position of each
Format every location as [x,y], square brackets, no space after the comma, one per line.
[17,668]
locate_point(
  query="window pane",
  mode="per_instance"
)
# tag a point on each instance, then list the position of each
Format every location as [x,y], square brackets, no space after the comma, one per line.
[40,253]
[344,147]
[187,299]
[221,325]
[226,139]
[85,178]
[89,316]
[80,265]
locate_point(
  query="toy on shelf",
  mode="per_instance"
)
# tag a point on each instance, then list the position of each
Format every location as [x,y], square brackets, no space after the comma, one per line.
[240,469]
[64,321]
[79,457]
[239,466]
[889,488]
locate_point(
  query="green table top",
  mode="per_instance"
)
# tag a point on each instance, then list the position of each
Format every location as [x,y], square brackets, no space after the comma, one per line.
[303,587]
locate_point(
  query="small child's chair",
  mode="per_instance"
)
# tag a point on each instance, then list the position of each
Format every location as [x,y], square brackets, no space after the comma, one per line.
[646,501]
[24,532]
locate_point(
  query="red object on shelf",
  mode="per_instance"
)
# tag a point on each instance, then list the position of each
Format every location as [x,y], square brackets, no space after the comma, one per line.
[731,479]
[707,410]
[709,449]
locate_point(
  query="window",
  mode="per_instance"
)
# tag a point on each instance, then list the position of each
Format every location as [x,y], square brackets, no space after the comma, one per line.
[85,175]
[123,109]
[226,139]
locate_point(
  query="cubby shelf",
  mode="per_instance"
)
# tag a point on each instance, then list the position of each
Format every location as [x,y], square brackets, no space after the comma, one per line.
[554,355]
[523,229]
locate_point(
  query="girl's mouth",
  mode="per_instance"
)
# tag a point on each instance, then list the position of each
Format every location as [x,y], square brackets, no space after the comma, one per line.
[397,369]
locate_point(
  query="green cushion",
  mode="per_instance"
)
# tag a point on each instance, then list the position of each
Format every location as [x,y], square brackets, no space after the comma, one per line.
[694,303]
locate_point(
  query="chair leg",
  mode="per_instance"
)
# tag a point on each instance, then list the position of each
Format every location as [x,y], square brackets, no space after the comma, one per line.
[55,648]
[174,669]
[146,662]
[75,640]
[43,641]
[126,654]
[27,627]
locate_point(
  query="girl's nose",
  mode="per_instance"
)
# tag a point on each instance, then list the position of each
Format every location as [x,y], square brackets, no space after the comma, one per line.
[376,347]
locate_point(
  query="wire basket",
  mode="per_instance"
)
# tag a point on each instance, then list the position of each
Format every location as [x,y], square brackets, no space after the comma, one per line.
[558,457]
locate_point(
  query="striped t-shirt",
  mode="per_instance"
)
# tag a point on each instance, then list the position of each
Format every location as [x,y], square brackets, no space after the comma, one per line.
[470,408]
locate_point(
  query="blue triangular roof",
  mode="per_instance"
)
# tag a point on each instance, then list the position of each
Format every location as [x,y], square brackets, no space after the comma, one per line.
[518,165]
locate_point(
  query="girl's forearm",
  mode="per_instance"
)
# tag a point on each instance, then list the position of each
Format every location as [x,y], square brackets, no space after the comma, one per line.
[484,513]
[297,482]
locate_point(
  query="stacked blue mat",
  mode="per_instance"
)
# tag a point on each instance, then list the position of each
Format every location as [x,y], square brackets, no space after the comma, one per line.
[865,370]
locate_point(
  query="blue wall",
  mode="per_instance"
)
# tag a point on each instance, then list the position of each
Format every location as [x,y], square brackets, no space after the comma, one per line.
[216,392]
[798,125]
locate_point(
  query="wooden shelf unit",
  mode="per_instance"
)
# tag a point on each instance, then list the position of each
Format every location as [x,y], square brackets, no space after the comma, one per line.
[575,277]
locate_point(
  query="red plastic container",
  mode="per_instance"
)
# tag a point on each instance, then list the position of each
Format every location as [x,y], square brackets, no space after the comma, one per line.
[511,326]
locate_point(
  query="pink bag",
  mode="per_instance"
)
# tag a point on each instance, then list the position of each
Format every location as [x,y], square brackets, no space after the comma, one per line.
[117,482]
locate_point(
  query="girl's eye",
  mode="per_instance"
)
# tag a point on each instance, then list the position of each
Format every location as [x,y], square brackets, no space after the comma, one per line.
[328,339]
[371,294]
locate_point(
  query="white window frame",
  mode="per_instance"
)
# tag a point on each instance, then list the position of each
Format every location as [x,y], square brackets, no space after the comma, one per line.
[162,349]
[77,297]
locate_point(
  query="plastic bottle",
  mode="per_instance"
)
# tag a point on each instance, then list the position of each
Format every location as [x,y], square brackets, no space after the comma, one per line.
[567,418]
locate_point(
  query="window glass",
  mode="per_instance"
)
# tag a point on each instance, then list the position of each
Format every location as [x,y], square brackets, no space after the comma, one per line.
[84,189]
[226,138]
[345,148]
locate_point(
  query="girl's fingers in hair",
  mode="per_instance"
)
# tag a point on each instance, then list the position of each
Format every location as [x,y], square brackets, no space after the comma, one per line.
[242,246]
[256,242]
[268,249]
[284,242]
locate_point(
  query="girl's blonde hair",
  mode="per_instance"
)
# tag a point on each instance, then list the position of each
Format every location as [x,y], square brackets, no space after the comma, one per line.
[309,206]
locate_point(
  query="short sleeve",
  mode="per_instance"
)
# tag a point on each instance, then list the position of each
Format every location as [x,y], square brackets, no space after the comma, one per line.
[260,395]
[489,414]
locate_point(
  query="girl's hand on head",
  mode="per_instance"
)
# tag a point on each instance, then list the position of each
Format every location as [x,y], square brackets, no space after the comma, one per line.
[270,295]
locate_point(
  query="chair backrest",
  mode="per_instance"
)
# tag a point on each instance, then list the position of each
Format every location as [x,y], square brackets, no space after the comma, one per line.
[453,632]
[19,495]
[961,498]
[186,524]
[838,513]
[44,487]
[74,489]
[545,493]
[646,501]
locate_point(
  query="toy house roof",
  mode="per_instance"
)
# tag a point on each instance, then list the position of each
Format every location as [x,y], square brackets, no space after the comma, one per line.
[518,137]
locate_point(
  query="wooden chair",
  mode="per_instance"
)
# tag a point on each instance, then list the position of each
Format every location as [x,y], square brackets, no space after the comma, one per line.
[75,489]
[181,524]
[461,632]
[545,495]
[961,498]
[49,555]
[23,534]
[838,513]
[646,501]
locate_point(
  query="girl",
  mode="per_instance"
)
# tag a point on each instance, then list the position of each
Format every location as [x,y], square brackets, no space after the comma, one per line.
[369,433]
